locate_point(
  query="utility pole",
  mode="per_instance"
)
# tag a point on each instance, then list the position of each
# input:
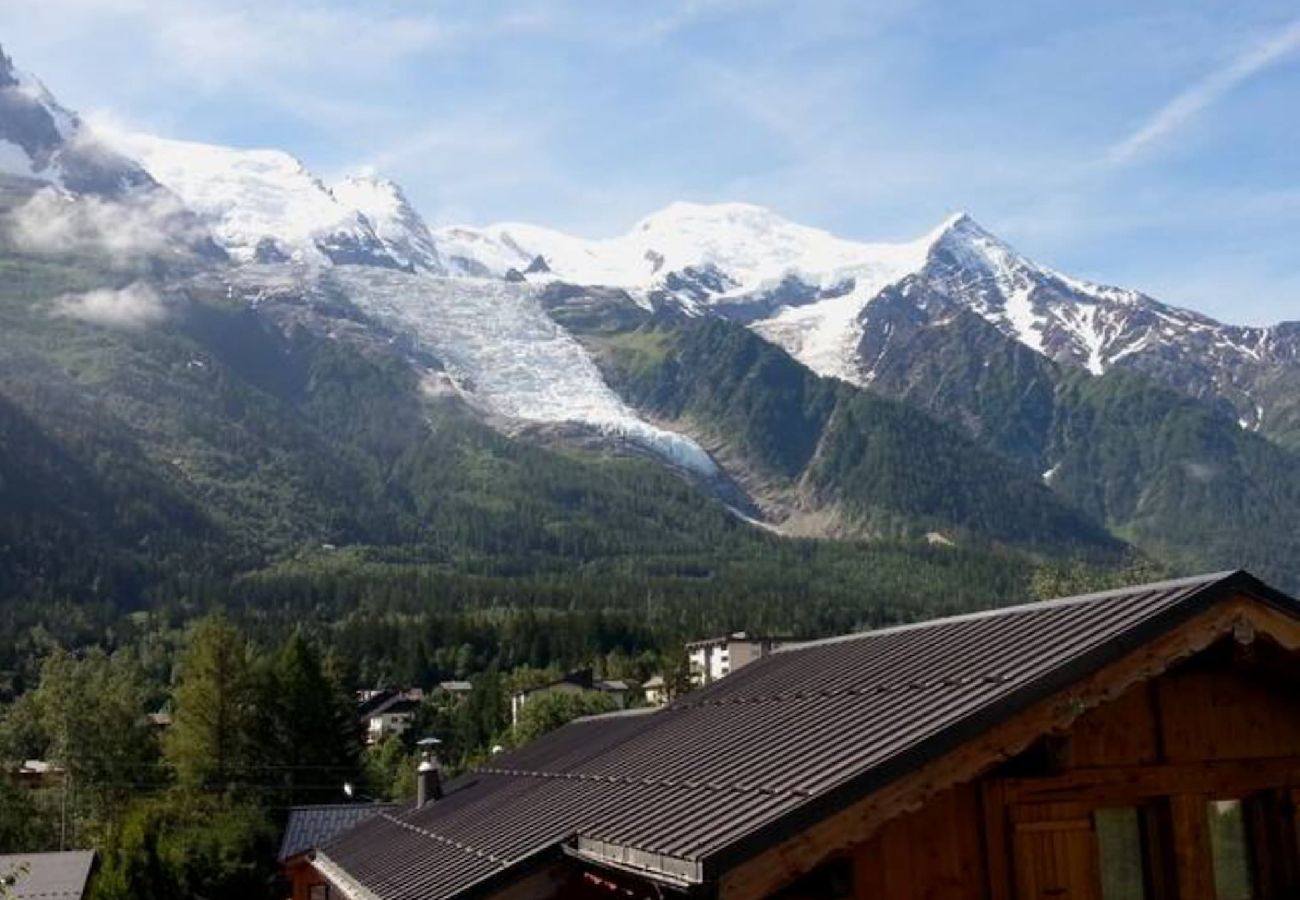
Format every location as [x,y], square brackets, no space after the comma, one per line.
[63,811]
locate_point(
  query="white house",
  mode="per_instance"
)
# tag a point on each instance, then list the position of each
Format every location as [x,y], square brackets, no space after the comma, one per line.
[388,712]
[714,658]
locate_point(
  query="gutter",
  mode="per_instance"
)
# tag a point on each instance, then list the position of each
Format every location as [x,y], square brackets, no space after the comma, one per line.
[340,880]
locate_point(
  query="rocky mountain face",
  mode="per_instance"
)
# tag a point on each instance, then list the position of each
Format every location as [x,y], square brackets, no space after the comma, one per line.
[404,233]
[945,389]
[39,139]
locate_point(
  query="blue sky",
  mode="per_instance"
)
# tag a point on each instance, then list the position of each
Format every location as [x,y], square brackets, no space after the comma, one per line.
[1152,144]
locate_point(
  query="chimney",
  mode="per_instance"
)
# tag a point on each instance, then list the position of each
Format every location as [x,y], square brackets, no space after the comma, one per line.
[428,781]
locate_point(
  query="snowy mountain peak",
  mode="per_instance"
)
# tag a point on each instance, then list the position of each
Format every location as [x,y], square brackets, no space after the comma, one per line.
[260,204]
[956,222]
[384,205]
[43,141]
[961,236]
[729,216]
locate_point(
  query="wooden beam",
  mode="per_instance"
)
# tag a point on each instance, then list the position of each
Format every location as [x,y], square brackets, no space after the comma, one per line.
[1193,859]
[781,864]
[997,846]
[1229,778]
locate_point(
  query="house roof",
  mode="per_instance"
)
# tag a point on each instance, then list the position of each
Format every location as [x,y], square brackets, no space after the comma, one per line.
[47,876]
[310,826]
[582,678]
[374,701]
[398,704]
[614,685]
[456,686]
[684,792]
[736,637]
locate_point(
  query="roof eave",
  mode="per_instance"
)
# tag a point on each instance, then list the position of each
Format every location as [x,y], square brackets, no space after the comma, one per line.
[674,872]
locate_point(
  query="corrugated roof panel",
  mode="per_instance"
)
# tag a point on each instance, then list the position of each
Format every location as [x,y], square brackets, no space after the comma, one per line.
[47,876]
[309,827]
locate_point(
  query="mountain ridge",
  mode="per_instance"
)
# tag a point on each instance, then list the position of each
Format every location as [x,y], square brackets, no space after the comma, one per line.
[699,337]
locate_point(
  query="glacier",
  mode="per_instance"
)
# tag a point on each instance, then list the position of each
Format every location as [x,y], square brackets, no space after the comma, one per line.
[508,356]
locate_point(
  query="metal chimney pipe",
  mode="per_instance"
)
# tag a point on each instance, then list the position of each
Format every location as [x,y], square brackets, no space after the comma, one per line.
[428,780]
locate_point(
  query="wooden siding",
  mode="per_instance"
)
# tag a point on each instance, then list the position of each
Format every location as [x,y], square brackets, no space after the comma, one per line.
[1223,726]
[932,853]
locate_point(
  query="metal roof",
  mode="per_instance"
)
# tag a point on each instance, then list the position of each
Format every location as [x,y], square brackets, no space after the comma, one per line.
[310,826]
[721,773]
[47,876]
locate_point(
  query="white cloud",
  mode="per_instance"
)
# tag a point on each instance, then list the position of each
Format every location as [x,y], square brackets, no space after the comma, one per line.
[1201,95]
[139,225]
[219,44]
[131,308]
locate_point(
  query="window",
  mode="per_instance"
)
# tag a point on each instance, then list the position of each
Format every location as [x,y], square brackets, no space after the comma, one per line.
[1230,849]
[1120,853]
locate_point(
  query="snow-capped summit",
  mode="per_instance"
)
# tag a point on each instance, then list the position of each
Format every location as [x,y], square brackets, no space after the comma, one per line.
[261,205]
[815,294]
[42,140]
[405,235]
[1072,321]
[751,245]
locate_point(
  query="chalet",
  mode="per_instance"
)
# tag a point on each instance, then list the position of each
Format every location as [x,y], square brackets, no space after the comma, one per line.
[1139,744]
[35,773]
[655,690]
[454,690]
[64,875]
[715,658]
[580,682]
[305,829]
[388,712]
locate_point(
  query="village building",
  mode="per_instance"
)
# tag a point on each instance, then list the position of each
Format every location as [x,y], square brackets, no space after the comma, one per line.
[34,773]
[63,875]
[455,690]
[1140,744]
[655,691]
[580,682]
[715,658]
[308,827]
[388,712]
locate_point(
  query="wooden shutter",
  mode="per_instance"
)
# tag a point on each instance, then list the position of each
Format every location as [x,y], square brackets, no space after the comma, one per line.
[1054,849]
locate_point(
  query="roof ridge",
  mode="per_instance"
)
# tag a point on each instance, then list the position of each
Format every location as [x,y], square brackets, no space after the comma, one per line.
[446,841]
[1018,608]
[646,782]
[918,684]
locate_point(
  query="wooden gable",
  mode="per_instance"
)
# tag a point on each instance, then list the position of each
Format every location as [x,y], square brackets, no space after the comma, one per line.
[1208,711]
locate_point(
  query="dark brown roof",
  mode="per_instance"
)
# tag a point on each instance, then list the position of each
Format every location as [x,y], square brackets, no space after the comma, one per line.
[310,826]
[683,792]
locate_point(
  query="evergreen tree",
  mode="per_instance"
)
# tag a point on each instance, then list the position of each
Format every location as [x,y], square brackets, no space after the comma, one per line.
[215,719]
[316,741]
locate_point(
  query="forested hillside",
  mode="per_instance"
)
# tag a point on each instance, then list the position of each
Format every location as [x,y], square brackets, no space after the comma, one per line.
[291,460]
[1038,453]
[825,448]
